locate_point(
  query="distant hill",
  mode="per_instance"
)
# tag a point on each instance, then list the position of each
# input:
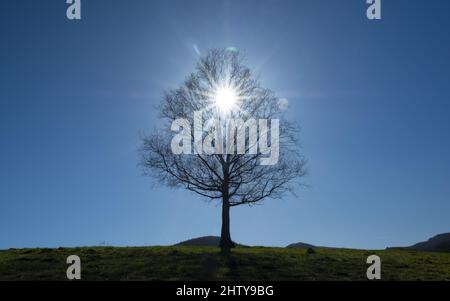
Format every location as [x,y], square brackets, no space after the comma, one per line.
[438,243]
[301,245]
[205,241]
[214,241]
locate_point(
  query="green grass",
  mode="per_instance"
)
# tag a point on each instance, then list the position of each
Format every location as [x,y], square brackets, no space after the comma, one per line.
[205,263]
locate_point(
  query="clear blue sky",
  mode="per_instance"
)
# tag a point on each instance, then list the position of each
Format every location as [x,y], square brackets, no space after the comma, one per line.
[372,98]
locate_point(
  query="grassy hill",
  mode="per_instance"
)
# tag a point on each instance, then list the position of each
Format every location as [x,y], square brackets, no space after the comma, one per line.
[205,263]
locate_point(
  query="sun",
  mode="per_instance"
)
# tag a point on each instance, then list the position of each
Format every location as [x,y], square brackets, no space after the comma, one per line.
[225,99]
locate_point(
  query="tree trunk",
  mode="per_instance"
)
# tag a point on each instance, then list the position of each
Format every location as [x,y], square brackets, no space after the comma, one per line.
[225,238]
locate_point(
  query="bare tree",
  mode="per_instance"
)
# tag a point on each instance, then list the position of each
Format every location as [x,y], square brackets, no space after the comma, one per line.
[235,176]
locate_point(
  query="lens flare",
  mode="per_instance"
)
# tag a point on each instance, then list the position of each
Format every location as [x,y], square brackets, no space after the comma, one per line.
[225,99]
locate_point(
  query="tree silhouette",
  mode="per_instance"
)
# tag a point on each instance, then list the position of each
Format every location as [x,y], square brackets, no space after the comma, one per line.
[241,173]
